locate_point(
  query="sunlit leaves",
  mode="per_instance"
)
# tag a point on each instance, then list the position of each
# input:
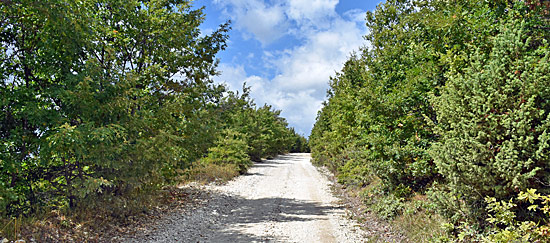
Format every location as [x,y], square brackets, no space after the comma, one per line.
[97,95]
[448,92]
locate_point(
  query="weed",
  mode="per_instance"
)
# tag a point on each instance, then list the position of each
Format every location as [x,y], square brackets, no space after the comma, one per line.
[209,172]
[419,224]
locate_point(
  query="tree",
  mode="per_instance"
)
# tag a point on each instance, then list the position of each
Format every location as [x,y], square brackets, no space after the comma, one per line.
[446,92]
[99,95]
[494,117]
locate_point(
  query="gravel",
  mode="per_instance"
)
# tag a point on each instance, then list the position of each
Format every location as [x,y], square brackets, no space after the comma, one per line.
[285,199]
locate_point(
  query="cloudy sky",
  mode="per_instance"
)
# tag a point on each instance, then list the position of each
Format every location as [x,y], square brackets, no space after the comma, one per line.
[286,50]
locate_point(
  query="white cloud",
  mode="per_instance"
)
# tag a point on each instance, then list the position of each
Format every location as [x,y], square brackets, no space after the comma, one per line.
[231,75]
[309,66]
[302,72]
[312,13]
[356,15]
[269,22]
[265,23]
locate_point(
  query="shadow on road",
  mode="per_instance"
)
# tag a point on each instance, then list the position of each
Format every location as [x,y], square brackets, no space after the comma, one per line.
[243,214]
[279,160]
[253,174]
[232,218]
[289,157]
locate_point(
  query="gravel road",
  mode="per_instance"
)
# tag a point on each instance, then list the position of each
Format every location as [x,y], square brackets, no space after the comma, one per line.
[285,199]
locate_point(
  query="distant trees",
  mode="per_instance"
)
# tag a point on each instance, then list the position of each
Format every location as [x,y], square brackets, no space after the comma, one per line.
[250,133]
[450,98]
[113,97]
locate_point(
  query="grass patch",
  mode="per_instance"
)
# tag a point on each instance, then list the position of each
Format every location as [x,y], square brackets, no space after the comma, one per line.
[413,216]
[100,219]
[209,172]
[418,223]
[421,226]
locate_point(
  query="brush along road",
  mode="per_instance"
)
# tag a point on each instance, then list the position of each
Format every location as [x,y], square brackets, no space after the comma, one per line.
[285,199]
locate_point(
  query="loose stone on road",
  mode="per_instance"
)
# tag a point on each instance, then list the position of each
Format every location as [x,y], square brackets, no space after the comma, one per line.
[285,199]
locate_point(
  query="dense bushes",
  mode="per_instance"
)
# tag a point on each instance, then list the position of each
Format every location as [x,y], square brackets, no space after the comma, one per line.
[113,98]
[89,104]
[448,98]
[249,133]
[230,148]
[494,119]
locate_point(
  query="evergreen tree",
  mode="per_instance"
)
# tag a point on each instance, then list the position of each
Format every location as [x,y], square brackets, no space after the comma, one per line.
[494,118]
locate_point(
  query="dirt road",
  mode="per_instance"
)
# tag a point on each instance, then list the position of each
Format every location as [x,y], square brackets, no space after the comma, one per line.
[281,200]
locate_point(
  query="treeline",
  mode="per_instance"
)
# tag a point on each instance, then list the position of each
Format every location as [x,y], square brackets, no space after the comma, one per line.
[449,101]
[105,99]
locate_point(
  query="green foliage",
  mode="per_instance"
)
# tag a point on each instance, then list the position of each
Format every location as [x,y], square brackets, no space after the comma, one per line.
[386,206]
[266,133]
[448,204]
[494,118]
[379,100]
[354,172]
[89,102]
[448,99]
[230,148]
[300,143]
[101,99]
[505,225]
[270,135]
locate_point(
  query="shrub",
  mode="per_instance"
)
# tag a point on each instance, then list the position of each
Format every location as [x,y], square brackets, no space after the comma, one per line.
[231,148]
[386,206]
[507,227]
[494,120]
[354,173]
[207,172]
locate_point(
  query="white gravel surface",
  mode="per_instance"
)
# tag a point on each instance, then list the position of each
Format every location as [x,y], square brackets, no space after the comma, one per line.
[281,200]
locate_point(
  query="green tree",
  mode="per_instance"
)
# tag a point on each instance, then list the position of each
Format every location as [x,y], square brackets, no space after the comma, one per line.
[419,104]
[494,117]
[99,96]
[230,148]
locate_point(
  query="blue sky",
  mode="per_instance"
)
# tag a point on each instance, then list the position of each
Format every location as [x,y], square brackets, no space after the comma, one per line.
[287,50]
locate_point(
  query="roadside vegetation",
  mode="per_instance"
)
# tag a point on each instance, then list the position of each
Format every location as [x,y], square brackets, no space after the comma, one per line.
[106,105]
[442,121]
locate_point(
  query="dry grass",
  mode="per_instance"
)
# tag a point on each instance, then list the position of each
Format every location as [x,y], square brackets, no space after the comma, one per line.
[420,227]
[417,223]
[101,220]
[12,228]
[207,173]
